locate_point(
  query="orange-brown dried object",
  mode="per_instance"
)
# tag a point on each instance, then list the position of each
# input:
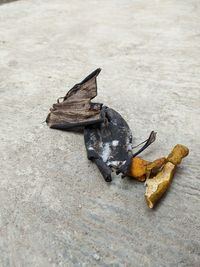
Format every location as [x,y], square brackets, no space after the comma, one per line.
[142,169]
[177,154]
[155,166]
[138,168]
[157,185]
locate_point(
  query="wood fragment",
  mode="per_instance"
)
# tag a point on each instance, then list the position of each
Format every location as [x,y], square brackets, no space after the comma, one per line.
[155,166]
[141,169]
[158,185]
[138,169]
[177,154]
[76,110]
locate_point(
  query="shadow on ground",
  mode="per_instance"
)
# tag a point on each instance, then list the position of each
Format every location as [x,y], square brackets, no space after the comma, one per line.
[6,1]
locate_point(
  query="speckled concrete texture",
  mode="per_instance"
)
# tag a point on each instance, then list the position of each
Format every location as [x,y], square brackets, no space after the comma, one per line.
[55,208]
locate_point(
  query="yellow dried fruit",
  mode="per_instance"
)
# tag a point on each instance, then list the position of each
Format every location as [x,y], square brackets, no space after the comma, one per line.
[157,185]
[138,168]
[177,154]
[155,166]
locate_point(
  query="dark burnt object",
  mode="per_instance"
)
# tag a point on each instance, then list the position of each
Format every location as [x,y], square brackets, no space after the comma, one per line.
[108,138]
[76,110]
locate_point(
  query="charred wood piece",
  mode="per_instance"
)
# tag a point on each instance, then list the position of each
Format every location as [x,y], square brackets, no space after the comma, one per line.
[108,138]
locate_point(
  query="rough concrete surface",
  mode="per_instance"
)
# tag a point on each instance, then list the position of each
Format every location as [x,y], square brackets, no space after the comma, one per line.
[55,208]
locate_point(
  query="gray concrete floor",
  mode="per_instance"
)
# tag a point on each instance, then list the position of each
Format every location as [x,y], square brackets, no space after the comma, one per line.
[55,208]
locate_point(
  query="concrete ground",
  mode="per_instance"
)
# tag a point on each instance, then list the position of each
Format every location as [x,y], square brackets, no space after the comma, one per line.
[55,208]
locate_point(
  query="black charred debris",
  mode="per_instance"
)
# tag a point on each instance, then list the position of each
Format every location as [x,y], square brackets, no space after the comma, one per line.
[108,138]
